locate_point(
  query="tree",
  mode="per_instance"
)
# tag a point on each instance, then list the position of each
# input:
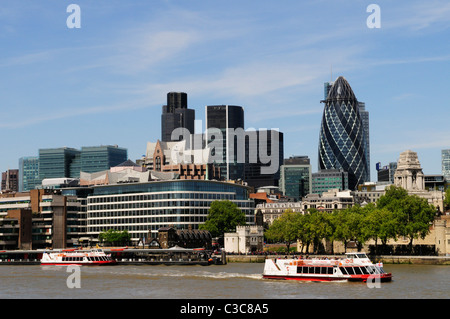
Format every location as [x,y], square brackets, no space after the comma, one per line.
[319,225]
[223,217]
[284,228]
[379,223]
[115,237]
[412,214]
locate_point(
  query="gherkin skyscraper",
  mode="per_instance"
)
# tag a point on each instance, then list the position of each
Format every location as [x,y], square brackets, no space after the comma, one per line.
[343,142]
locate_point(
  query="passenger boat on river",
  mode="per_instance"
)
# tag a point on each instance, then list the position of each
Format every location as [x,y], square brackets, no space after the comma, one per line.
[94,257]
[354,267]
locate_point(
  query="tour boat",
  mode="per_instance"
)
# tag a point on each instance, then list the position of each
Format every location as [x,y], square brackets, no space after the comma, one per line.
[94,257]
[353,267]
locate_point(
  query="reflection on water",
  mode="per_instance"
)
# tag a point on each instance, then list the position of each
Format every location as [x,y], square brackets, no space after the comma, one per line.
[229,281]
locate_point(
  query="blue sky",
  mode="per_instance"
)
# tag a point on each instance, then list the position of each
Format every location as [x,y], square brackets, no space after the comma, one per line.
[105,83]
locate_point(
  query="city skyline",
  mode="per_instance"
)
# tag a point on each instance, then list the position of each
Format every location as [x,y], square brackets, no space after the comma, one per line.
[105,83]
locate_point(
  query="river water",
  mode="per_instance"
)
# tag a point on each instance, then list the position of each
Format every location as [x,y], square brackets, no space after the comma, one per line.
[231,281]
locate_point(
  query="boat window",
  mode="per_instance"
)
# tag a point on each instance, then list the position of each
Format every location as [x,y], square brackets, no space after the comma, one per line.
[361,255]
[343,270]
[358,270]
[350,270]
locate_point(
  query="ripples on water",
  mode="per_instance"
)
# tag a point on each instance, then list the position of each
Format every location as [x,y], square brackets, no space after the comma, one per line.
[218,282]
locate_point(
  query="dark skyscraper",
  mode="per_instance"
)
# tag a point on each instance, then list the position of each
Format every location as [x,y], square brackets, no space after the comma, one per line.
[227,118]
[343,141]
[176,115]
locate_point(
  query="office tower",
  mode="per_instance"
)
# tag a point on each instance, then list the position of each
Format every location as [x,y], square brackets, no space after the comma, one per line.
[69,162]
[10,180]
[264,155]
[295,177]
[28,173]
[445,158]
[226,120]
[365,122]
[327,179]
[342,141]
[56,162]
[176,115]
[101,158]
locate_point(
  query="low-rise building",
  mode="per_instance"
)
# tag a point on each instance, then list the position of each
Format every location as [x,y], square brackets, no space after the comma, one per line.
[246,239]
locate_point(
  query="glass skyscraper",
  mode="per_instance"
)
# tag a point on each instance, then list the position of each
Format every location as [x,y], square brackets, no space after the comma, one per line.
[343,141]
[28,173]
[446,163]
[226,118]
[69,162]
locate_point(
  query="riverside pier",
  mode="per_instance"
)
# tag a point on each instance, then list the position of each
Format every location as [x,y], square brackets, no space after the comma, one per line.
[127,256]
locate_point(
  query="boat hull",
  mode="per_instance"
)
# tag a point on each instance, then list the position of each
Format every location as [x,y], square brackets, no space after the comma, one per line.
[364,278]
[98,263]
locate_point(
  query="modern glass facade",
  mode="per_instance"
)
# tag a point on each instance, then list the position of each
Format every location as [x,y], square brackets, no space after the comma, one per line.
[445,154]
[101,158]
[226,118]
[28,173]
[69,162]
[56,162]
[325,180]
[342,141]
[265,150]
[143,208]
[296,180]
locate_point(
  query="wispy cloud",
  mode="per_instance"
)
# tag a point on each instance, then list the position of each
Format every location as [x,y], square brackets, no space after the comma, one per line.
[420,16]
[72,112]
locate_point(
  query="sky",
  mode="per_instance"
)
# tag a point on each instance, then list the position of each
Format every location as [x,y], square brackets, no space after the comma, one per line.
[105,82]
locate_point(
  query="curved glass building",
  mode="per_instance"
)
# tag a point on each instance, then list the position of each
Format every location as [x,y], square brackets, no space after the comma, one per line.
[343,141]
[143,208]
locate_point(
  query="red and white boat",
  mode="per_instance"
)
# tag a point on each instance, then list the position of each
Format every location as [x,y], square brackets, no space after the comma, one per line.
[94,257]
[354,267]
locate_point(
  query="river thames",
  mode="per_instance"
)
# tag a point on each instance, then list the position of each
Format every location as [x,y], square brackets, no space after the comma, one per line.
[231,281]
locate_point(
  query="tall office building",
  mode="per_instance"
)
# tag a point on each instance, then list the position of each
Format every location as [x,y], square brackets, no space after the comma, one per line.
[69,162]
[226,119]
[365,123]
[295,177]
[343,141]
[264,155]
[57,162]
[28,173]
[176,115]
[445,160]
[101,158]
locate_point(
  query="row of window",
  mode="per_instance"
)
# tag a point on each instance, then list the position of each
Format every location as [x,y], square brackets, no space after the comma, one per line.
[157,204]
[145,221]
[161,196]
[329,270]
[153,212]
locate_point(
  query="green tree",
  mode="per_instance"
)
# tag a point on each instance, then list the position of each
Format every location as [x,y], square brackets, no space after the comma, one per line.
[319,226]
[115,237]
[379,223]
[284,228]
[412,214]
[348,226]
[223,217]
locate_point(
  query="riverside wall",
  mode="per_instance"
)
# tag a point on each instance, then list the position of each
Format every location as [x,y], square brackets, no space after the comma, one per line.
[420,260]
